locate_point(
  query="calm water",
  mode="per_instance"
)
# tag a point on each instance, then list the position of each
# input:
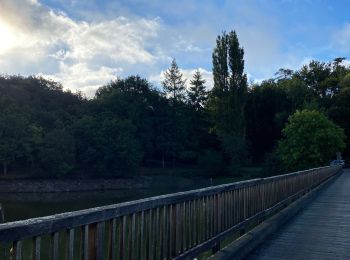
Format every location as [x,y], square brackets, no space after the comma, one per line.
[18,206]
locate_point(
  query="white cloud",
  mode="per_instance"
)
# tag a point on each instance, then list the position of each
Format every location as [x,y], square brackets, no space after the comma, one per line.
[80,77]
[35,39]
[341,38]
[95,42]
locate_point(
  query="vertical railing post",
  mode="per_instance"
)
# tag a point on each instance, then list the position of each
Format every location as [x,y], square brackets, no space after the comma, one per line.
[92,252]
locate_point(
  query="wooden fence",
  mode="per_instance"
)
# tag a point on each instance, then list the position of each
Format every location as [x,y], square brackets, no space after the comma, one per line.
[2,214]
[175,226]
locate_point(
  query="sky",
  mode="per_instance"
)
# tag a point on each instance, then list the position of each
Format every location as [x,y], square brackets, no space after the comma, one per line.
[86,44]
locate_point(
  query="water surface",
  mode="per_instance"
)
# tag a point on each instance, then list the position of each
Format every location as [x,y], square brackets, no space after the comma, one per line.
[18,206]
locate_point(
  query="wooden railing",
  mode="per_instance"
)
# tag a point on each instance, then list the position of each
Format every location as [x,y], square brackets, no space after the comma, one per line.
[175,226]
[2,214]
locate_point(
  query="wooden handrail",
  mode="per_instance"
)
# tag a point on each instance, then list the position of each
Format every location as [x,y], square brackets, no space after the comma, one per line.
[177,225]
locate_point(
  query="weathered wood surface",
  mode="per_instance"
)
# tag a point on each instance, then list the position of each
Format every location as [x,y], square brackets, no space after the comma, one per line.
[2,215]
[179,226]
[321,231]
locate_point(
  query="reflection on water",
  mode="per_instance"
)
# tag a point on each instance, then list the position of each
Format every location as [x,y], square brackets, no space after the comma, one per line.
[18,206]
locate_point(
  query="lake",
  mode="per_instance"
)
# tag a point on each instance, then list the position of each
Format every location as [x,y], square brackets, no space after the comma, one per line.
[19,206]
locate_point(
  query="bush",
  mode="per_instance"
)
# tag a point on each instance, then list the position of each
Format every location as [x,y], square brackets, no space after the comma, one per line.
[273,165]
[188,157]
[235,151]
[309,140]
[57,154]
[212,163]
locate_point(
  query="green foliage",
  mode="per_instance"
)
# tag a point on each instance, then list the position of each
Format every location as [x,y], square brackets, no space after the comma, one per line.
[197,93]
[228,97]
[309,140]
[316,86]
[345,82]
[173,83]
[273,165]
[188,156]
[235,152]
[57,153]
[212,163]
[129,123]
[14,128]
[339,112]
[268,108]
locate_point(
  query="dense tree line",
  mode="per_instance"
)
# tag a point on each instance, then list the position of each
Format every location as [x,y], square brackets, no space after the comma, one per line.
[317,86]
[46,131]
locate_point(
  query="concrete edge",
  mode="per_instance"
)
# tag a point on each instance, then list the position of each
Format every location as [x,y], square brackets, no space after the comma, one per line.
[241,247]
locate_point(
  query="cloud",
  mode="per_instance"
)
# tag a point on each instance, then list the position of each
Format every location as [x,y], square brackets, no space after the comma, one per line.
[85,44]
[82,55]
[341,38]
[80,77]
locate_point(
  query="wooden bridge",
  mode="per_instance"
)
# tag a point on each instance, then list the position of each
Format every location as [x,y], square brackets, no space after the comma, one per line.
[222,222]
[320,231]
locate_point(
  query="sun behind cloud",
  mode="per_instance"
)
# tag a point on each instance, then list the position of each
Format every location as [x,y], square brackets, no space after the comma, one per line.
[7,37]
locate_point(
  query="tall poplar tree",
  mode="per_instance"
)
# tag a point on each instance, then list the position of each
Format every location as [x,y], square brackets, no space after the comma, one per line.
[229,94]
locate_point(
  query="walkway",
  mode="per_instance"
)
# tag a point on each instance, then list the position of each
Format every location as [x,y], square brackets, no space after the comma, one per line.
[321,231]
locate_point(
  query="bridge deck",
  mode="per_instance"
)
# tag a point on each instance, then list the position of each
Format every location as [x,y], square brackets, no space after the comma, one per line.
[321,231]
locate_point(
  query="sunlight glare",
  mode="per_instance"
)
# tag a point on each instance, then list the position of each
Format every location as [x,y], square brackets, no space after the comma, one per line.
[7,38]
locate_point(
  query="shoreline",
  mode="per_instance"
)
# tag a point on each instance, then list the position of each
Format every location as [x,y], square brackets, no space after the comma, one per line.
[71,185]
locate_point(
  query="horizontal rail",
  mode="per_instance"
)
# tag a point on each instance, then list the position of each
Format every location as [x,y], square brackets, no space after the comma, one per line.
[162,227]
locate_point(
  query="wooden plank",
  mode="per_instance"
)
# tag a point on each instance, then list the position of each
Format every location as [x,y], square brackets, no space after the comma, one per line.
[320,231]
[85,242]
[132,243]
[36,248]
[123,241]
[142,236]
[190,224]
[203,220]
[17,250]
[185,226]
[112,240]
[178,229]
[207,218]
[182,226]
[54,246]
[120,238]
[100,240]
[210,243]
[70,243]
[92,253]
[172,232]
[195,224]
[164,233]
[150,234]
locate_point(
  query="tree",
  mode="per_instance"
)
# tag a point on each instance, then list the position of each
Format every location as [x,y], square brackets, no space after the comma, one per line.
[197,93]
[134,99]
[228,97]
[340,112]
[173,83]
[174,86]
[15,129]
[315,75]
[309,140]
[106,145]
[57,153]
[267,111]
